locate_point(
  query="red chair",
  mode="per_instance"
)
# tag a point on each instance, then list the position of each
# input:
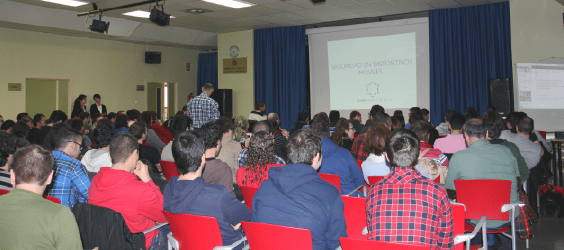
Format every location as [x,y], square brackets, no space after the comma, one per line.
[4,191]
[53,199]
[333,179]
[458,221]
[374,179]
[489,198]
[543,134]
[169,169]
[190,231]
[248,193]
[355,216]
[262,236]
[354,244]
[146,144]
[94,147]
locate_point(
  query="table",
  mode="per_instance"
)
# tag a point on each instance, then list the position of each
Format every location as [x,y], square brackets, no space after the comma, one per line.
[557,161]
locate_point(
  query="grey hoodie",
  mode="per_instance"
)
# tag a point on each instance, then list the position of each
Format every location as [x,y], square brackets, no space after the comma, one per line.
[95,159]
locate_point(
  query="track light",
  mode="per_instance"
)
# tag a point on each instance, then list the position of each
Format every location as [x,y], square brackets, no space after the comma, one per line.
[99,25]
[159,17]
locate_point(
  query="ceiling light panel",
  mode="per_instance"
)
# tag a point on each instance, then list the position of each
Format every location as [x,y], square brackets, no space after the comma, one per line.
[72,3]
[230,3]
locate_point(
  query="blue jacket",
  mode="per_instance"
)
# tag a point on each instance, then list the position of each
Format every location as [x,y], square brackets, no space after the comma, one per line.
[295,196]
[339,161]
[199,198]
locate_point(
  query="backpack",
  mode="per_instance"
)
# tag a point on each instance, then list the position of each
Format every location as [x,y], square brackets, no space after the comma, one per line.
[434,168]
[551,201]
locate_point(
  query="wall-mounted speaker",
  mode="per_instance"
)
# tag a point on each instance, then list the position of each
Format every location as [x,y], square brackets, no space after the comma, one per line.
[224,97]
[500,93]
[153,57]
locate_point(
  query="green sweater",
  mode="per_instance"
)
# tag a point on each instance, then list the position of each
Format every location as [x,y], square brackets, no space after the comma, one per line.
[523,169]
[31,222]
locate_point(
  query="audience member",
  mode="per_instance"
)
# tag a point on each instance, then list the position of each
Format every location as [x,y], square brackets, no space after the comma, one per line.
[70,181]
[483,160]
[78,125]
[178,124]
[98,107]
[454,141]
[399,115]
[7,126]
[260,158]
[280,135]
[258,113]
[30,221]
[189,193]
[260,126]
[241,131]
[471,113]
[337,160]
[112,117]
[302,122]
[230,149]
[334,117]
[133,115]
[127,188]
[426,114]
[216,171]
[396,123]
[423,129]
[375,145]
[20,116]
[433,133]
[151,154]
[443,127]
[428,218]
[49,141]
[344,134]
[85,118]
[530,151]
[7,149]
[412,111]
[95,159]
[203,109]
[377,115]
[79,106]
[121,124]
[39,121]
[294,195]
[20,130]
[356,120]
[152,137]
[358,145]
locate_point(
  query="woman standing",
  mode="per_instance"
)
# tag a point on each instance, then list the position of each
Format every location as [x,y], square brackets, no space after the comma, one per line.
[98,107]
[79,106]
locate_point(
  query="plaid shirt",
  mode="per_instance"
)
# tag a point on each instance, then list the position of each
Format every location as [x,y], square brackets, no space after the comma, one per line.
[357,147]
[202,109]
[405,207]
[70,180]
[243,155]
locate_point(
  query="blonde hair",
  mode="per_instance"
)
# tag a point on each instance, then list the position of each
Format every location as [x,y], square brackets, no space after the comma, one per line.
[240,123]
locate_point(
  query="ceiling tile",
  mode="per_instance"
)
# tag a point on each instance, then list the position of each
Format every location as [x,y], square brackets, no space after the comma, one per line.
[444,4]
[261,2]
[284,6]
[202,5]
[264,10]
[386,7]
[240,13]
[288,16]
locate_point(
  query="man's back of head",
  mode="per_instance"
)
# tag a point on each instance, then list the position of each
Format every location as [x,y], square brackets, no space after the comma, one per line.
[262,126]
[273,116]
[303,115]
[402,148]
[211,134]
[303,146]
[62,137]
[187,149]
[376,109]
[457,121]
[494,123]
[526,126]
[414,110]
[320,126]
[381,118]
[425,114]
[32,165]
[475,129]
[260,105]
[122,146]
[58,116]
[414,118]
[8,146]
[448,114]
[138,129]
[20,116]
[470,113]
[423,130]
[179,124]
[354,114]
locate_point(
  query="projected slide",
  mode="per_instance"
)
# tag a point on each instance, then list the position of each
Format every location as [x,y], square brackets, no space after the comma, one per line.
[373,70]
[541,86]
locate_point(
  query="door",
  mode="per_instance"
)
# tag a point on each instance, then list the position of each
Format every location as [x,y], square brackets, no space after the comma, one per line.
[161,98]
[45,95]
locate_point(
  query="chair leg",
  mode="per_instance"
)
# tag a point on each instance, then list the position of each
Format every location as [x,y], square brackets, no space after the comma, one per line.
[513,234]
[527,242]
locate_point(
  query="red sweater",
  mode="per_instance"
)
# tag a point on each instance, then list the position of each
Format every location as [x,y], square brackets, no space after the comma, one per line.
[139,203]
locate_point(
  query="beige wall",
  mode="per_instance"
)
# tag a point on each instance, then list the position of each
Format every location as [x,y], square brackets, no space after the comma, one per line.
[109,68]
[243,84]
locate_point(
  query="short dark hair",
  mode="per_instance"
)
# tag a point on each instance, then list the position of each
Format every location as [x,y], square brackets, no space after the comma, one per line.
[475,128]
[457,121]
[376,109]
[187,150]
[262,126]
[103,135]
[414,118]
[133,114]
[208,86]
[449,114]
[122,146]
[20,116]
[96,116]
[320,126]
[471,113]
[396,123]
[303,115]
[422,129]
[54,132]
[8,146]
[83,115]
[147,117]
[185,108]
[96,96]
[513,118]
[8,124]
[526,125]
[334,116]
[260,105]
[179,123]
[21,129]
[32,165]
[380,118]
[402,148]
[415,110]
[58,115]
[121,121]
[274,125]
[211,134]
[494,123]
[77,124]
[302,146]
[354,114]
[137,129]
[104,121]
[63,136]
[112,115]
[37,119]
[375,139]
[424,112]
[225,124]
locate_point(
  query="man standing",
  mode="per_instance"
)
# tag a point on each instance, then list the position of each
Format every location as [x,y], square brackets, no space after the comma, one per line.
[404,206]
[294,195]
[258,113]
[127,188]
[70,182]
[29,221]
[203,109]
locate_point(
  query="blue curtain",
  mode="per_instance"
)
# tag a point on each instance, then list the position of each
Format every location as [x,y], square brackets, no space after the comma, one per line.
[468,46]
[280,71]
[207,70]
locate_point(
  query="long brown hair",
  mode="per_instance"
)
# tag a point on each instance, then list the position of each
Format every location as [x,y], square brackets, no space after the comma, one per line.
[340,132]
[375,140]
[259,155]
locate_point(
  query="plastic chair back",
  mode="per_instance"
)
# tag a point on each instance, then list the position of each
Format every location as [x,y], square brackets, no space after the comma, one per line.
[53,199]
[374,179]
[543,134]
[262,236]
[355,216]
[458,218]
[333,179]
[354,244]
[4,191]
[484,197]
[359,163]
[169,169]
[194,231]
[248,193]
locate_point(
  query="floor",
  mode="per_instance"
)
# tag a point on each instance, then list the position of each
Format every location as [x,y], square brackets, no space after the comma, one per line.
[549,234]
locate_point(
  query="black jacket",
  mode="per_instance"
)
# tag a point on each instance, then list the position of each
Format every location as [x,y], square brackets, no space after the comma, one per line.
[94,110]
[104,228]
[357,125]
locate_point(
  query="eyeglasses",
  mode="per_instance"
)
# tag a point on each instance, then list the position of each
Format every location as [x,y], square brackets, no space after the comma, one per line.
[80,145]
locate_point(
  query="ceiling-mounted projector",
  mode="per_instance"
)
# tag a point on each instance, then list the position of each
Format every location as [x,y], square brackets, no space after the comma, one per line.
[159,17]
[99,26]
